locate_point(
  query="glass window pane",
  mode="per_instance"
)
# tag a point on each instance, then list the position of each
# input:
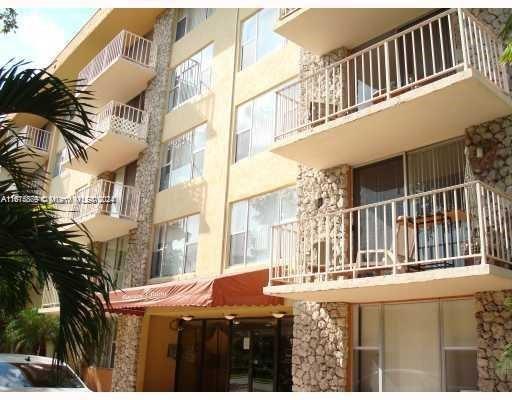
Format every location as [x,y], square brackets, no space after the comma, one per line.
[181,28]
[242,145]
[244,117]
[239,217]
[369,326]
[262,215]
[199,137]
[190,262]
[366,371]
[249,29]
[461,370]
[288,205]
[248,54]
[268,40]
[181,161]
[263,123]
[198,160]
[459,323]
[236,246]
[175,249]
[193,228]
[164,177]
[412,360]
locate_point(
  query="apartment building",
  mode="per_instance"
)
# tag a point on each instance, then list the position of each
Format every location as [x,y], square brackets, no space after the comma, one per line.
[306,199]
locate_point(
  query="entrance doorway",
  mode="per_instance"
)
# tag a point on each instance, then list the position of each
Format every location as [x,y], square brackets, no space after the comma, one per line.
[243,355]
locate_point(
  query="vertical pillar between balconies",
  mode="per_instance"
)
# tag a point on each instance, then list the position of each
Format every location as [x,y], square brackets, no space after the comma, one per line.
[320,345]
[157,94]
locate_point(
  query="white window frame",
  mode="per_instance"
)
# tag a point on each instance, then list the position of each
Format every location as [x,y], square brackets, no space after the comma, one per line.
[280,193]
[243,45]
[168,146]
[183,222]
[208,12]
[194,70]
[380,348]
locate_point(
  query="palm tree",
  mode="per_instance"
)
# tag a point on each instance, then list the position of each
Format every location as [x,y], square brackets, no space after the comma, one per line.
[30,332]
[35,247]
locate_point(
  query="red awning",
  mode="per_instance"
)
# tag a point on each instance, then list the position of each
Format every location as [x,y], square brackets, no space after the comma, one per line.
[243,289]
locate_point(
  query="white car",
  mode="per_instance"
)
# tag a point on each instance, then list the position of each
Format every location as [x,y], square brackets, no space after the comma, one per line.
[26,373]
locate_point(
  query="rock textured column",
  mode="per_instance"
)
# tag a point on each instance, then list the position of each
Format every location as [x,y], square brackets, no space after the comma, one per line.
[494,325]
[137,261]
[490,152]
[127,352]
[320,333]
[320,347]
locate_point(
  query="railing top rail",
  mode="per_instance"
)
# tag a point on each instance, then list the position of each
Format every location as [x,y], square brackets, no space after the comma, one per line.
[113,103]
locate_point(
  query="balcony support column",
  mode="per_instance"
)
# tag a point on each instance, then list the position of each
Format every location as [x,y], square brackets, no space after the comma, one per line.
[157,94]
[494,332]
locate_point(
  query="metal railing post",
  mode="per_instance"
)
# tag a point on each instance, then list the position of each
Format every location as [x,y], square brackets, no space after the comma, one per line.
[386,66]
[483,248]
[463,38]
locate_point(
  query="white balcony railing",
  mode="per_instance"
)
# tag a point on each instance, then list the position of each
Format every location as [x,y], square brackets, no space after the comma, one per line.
[435,48]
[467,224]
[118,118]
[37,138]
[125,45]
[122,119]
[102,198]
[50,297]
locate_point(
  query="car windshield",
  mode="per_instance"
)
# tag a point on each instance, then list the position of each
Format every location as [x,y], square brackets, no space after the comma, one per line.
[25,375]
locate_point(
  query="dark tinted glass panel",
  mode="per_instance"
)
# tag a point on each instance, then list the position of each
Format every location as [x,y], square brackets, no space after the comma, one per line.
[24,375]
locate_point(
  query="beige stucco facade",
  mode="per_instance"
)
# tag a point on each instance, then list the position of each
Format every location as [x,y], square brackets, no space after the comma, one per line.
[318,159]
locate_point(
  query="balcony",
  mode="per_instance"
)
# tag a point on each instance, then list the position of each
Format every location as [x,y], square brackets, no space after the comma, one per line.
[453,241]
[106,209]
[49,300]
[120,135]
[423,85]
[121,70]
[37,142]
[321,30]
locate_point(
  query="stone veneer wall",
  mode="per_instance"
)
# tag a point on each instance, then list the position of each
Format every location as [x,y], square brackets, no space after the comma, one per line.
[156,101]
[320,347]
[494,332]
[320,332]
[494,167]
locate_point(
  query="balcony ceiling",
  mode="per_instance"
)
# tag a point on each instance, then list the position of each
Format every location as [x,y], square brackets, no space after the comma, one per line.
[460,281]
[321,30]
[109,153]
[438,111]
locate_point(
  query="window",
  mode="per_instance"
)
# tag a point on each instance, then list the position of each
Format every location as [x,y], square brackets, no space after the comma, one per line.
[259,38]
[182,158]
[255,126]
[192,77]
[175,247]
[189,18]
[57,164]
[114,259]
[425,346]
[251,224]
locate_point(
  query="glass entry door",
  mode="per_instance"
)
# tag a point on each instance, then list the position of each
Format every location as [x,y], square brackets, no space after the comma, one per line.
[253,356]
